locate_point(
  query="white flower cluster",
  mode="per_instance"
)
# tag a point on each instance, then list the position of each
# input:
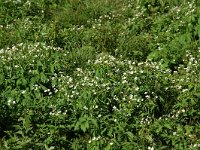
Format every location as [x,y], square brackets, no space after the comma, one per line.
[23,50]
[13,1]
[147,120]
[11,102]
[94,139]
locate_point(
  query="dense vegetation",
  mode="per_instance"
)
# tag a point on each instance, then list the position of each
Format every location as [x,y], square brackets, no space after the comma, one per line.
[100,74]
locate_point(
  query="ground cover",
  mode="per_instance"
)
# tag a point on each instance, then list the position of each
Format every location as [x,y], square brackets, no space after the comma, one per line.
[84,74]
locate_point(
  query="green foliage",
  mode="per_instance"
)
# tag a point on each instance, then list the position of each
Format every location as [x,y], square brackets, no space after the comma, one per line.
[84,74]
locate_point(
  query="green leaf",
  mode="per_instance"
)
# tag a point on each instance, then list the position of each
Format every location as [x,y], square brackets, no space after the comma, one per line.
[84,126]
[130,135]
[43,77]
[52,68]
[168,126]
[1,78]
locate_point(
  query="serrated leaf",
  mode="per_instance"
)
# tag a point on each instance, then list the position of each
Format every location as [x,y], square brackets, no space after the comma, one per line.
[168,126]
[84,126]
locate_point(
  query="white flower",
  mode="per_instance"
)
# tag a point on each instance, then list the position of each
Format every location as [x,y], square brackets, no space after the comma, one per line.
[70,79]
[9,101]
[130,96]
[179,87]
[114,107]
[124,81]
[85,108]
[174,133]
[98,137]
[94,138]
[184,90]
[1,51]
[150,148]
[131,72]
[137,88]
[147,96]
[23,91]
[141,71]
[183,110]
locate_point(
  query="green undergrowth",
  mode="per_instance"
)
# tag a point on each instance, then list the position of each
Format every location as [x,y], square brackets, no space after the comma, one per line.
[84,74]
